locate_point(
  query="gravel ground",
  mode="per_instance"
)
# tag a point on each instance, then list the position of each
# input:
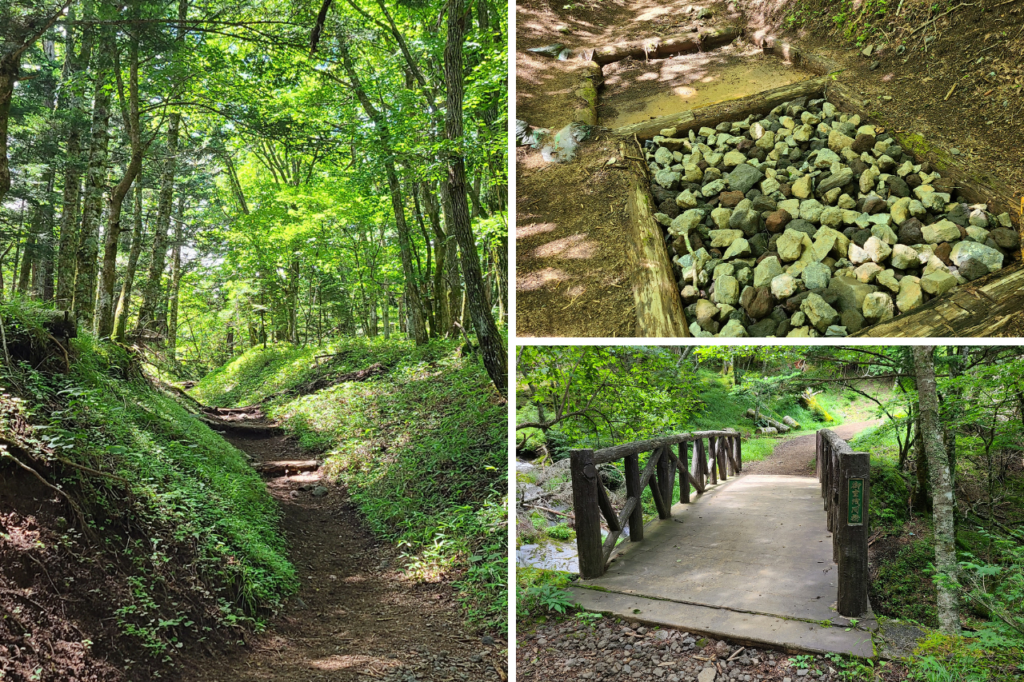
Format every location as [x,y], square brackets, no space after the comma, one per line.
[615,650]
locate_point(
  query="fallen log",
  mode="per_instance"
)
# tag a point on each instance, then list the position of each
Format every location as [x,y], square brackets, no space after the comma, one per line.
[660,47]
[782,428]
[239,427]
[251,409]
[285,467]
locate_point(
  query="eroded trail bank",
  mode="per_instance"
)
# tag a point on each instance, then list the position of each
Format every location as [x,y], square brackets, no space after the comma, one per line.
[356,615]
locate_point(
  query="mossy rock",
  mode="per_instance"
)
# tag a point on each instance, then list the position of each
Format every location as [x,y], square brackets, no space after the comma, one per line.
[612,478]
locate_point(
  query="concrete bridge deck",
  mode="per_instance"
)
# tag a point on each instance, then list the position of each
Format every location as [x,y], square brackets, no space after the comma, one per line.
[750,560]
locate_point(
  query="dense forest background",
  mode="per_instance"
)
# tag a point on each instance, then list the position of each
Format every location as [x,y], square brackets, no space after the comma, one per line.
[208,176]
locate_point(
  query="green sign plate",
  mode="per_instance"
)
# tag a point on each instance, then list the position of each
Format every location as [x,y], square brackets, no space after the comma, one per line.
[855,505]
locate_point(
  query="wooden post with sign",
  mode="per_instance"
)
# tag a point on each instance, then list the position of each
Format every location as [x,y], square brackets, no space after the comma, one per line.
[852,528]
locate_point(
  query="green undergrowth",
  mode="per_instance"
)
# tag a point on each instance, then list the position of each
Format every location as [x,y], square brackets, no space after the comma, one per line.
[421,448]
[191,498]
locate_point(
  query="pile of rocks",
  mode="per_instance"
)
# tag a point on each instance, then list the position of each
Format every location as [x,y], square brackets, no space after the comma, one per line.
[808,223]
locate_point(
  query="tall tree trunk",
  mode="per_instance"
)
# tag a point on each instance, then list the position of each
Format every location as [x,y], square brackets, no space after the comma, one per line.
[922,501]
[124,300]
[152,289]
[942,497]
[96,180]
[492,346]
[74,161]
[104,319]
[172,299]
[418,330]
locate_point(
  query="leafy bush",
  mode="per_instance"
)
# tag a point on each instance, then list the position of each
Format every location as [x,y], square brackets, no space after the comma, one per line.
[903,589]
[540,592]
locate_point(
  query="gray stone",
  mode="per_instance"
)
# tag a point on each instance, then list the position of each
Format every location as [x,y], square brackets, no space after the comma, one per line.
[724,238]
[938,282]
[876,249]
[942,231]
[802,187]
[686,221]
[972,269]
[835,330]
[727,290]
[816,275]
[903,257]
[686,199]
[852,320]
[878,307]
[321,491]
[766,271]
[743,178]
[783,286]
[1005,238]
[836,180]
[733,329]
[819,313]
[720,217]
[811,210]
[790,244]
[850,293]
[663,156]
[963,251]
[738,249]
[706,675]
[911,295]
[668,179]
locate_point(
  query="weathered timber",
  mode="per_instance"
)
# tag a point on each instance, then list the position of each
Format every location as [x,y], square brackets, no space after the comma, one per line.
[666,473]
[683,465]
[606,507]
[646,48]
[712,442]
[659,307]
[817,64]
[734,110]
[284,467]
[853,540]
[975,187]
[249,409]
[838,467]
[654,483]
[617,452]
[633,491]
[239,427]
[585,480]
[985,307]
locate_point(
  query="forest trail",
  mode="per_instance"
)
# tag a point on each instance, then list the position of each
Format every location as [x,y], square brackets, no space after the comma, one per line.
[355,616]
[795,457]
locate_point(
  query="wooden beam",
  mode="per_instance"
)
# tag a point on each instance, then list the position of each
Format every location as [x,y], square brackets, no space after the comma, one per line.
[758,105]
[659,307]
[587,514]
[284,467]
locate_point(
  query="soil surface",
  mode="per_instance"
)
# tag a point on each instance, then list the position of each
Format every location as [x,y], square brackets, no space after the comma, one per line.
[617,650]
[356,616]
[977,48]
[795,457]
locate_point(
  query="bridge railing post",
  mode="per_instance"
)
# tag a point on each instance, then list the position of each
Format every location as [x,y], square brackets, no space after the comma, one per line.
[586,509]
[854,478]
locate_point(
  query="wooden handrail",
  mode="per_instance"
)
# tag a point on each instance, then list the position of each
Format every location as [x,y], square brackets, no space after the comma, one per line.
[845,478]
[591,502]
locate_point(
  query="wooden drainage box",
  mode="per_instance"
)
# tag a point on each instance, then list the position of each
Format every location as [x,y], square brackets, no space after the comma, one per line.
[981,308]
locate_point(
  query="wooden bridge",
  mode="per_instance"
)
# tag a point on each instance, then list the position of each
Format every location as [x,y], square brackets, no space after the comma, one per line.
[777,561]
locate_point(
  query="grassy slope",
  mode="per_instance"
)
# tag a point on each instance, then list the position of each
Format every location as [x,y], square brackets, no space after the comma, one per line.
[197,531]
[421,448]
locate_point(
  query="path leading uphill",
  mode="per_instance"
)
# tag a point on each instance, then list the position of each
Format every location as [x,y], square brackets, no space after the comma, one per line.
[355,617]
[795,457]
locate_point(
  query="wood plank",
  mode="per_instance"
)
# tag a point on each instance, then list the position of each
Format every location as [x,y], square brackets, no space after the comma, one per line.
[682,462]
[734,110]
[659,307]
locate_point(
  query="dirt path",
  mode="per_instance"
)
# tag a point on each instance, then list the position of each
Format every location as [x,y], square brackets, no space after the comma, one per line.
[355,617]
[795,457]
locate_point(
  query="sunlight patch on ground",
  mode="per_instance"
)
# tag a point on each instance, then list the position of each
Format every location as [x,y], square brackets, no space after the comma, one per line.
[533,229]
[531,281]
[574,246]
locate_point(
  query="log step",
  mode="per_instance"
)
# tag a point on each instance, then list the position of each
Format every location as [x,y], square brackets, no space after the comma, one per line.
[284,467]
